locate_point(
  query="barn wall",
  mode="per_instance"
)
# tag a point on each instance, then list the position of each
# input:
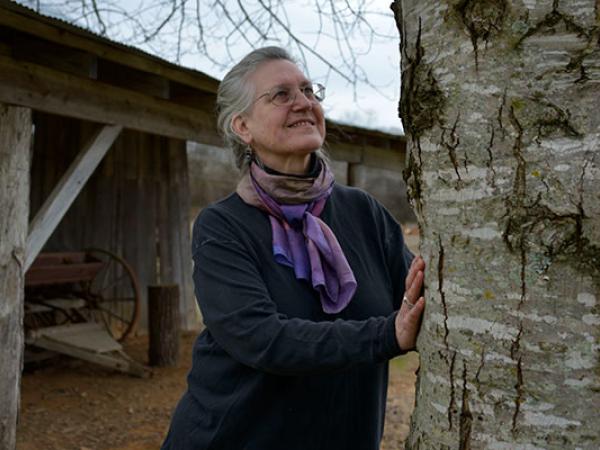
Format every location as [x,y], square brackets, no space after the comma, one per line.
[213,176]
[136,204]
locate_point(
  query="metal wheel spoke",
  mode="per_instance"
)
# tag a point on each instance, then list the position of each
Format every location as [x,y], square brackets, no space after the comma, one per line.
[113,284]
[112,314]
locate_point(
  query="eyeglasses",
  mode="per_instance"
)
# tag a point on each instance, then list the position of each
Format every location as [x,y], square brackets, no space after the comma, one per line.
[286,95]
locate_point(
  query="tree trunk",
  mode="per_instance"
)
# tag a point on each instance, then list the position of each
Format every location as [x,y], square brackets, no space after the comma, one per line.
[500,101]
[15,138]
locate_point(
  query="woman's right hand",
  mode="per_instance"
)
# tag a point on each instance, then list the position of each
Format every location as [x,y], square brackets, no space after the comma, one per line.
[408,318]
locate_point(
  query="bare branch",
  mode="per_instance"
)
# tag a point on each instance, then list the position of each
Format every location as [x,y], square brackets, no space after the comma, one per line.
[99,17]
[182,27]
[163,23]
[302,45]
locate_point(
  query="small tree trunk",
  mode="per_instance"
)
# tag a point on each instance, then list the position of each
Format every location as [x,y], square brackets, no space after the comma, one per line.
[163,324]
[15,138]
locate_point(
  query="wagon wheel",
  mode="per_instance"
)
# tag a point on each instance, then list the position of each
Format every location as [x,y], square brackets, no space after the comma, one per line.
[113,295]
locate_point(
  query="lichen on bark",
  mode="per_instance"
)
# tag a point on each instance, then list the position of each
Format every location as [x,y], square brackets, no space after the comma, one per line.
[482,19]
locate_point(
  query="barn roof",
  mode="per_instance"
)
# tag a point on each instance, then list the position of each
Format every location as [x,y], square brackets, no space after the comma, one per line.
[51,65]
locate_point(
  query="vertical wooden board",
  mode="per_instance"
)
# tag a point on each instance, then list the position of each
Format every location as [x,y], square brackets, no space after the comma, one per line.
[174,205]
[63,135]
[127,221]
[146,244]
[131,144]
[51,155]
[37,165]
[70,231]
[100,221]
[164,237]
[15,138]
[192,313]
[179,205]
[43,164]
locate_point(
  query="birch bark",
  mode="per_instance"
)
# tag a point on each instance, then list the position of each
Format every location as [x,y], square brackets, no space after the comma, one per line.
[500,102]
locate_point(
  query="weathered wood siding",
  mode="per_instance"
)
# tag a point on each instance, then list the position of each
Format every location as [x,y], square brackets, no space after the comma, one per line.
[136,204]
[214,176]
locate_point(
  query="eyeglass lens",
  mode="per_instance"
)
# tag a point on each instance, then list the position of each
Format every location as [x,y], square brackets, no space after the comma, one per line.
[286,95]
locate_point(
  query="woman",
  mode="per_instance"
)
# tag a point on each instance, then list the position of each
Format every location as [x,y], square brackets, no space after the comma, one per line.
[299,282]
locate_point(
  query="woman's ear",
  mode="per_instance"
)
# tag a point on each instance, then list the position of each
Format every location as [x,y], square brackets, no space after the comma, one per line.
[240,127]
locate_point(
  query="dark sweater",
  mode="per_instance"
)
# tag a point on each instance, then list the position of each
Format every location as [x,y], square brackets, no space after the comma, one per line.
[272,371]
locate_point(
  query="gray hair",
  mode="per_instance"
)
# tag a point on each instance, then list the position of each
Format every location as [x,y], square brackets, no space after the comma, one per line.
[236,94]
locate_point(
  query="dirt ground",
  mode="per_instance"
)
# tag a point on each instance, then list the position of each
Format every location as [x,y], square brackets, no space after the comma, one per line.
[74,405]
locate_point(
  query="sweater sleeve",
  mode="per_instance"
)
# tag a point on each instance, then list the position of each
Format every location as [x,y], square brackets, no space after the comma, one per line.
[398,255]
[243,319]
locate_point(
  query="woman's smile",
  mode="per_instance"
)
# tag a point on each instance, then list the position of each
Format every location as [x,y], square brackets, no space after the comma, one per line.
[302,123]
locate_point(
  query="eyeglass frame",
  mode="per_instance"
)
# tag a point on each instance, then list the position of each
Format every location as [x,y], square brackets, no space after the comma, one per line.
[314,99]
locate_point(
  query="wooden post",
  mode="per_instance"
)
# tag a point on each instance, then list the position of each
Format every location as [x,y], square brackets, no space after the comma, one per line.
[163,325]
[15,161]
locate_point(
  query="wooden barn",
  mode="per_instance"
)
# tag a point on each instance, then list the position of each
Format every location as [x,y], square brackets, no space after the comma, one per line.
[93,138]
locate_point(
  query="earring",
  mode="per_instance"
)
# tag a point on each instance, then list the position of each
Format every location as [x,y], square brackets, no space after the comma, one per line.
[248,154]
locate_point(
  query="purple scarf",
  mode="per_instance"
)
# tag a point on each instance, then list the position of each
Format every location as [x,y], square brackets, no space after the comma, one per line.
[301,240]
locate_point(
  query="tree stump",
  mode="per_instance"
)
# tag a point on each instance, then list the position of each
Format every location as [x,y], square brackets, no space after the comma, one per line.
[163,325]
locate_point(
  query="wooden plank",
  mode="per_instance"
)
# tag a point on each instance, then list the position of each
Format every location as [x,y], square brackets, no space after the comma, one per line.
[55,303]
[130,217]
[186,95]
[121,362]
[382,158]
[342,151]
[179,172]
[66,191]
[179,231]
[133,79]
[165,274]
[370,156]
[146,243]
[56,92]
[15,159]
[61,274]
[351,133]
[90,336]
[19,18]
[44,53]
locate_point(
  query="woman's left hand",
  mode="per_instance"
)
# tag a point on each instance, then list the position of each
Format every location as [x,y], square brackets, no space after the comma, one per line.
[408,318]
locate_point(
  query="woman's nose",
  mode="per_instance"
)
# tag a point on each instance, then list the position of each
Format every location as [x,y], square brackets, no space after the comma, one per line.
[301,101]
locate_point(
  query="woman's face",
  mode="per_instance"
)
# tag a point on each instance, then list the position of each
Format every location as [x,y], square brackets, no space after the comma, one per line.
[282,136]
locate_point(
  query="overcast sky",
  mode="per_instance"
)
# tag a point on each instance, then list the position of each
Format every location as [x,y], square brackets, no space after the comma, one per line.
[362,106]
[370,108]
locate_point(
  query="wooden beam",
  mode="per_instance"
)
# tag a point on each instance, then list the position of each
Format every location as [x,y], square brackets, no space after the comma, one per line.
[383,158]
[48,90]
[132,79]
[367,155]
[67,189]
[32,49]
[15,160]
